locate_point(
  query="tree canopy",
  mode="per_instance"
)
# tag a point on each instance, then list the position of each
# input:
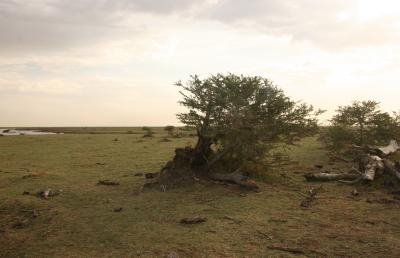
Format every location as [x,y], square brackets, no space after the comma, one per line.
[241,117]
[363,122]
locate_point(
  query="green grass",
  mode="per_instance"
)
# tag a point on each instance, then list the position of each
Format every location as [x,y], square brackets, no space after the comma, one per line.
[81,222]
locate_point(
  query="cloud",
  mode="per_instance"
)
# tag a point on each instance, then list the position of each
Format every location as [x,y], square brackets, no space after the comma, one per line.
[53,25]
[43,26]
[123,56]
[333,25]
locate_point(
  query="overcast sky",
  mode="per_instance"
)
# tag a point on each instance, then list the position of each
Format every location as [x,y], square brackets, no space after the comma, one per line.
[114,62]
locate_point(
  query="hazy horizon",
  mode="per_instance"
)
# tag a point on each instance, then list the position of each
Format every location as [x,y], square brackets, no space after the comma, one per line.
[114,63]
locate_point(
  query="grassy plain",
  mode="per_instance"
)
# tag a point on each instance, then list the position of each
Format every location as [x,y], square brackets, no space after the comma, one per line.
[81,222]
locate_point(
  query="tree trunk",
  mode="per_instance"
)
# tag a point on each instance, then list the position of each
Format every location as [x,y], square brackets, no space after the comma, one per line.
[361,134]
[202,151]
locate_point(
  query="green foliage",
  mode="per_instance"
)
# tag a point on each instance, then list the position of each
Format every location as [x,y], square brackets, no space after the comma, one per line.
[243,116]
[362,123]
[338,137]
[148,131]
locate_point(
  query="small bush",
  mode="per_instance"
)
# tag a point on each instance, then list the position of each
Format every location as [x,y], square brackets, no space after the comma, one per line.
[148,132]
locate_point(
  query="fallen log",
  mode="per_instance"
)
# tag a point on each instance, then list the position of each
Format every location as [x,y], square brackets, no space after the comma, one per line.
[373,166]
[329,177]
[236,178]
[391,148]
[193,220]
[287,249]
[107,182]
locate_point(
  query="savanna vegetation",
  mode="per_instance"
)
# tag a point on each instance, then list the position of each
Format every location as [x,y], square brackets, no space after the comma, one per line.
[244,179]
[362,123]
[238,121]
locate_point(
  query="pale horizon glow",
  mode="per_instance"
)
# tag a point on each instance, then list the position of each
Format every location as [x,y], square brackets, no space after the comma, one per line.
[114,63]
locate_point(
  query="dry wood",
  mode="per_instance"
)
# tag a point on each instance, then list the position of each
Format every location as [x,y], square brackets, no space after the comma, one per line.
[193,220]
[48,193]
[391,148]
[287,249]
[330,177]
[107,182]
[236,178]
[151,175]
[374,166]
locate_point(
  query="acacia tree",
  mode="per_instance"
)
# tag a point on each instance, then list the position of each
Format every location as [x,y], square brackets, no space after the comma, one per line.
[237,119]
[358,115]
[362,123]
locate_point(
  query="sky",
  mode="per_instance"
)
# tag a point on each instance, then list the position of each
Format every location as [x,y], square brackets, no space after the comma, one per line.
[115,62]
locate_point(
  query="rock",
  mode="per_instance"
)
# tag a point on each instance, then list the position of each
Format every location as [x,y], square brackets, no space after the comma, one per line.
[107,182]
[20,224]
[193,220]
[30,175]
[48,193]
[35,214]
[118,209]
[173,255]
[151,175]
[165,140]
[355,192]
